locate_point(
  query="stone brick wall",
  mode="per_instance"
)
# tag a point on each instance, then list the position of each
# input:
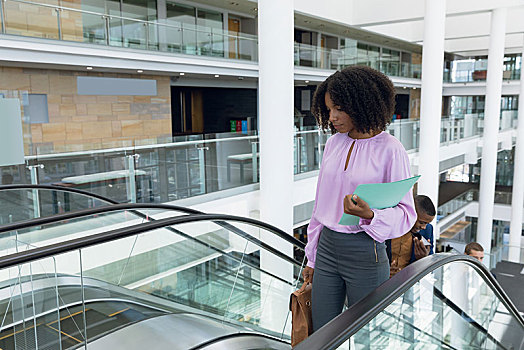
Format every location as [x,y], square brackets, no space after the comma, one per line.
[84,122]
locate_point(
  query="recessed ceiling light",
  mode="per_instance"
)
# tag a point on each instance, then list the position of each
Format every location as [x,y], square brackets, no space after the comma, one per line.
[307,81]
[414,88]
[89,68]
[216,75]
[140,71]
[240,78]
[182,73]
[403,87]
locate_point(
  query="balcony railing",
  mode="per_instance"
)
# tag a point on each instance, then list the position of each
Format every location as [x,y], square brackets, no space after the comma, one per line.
[162,170]
[32,19]
[472,75]
[19,17]
[147,171]
[336,59]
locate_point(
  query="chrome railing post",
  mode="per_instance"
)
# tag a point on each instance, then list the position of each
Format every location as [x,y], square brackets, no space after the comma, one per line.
[107,30]
[146,25]
[59,22]
[202,167]
[299,154]
[2,15]
[254,155]
[131,183]
[33,169]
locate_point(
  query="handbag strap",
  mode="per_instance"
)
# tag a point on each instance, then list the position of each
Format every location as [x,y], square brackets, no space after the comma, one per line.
[303,288]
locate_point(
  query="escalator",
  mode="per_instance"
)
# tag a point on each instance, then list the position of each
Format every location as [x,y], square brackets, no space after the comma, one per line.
[132,275]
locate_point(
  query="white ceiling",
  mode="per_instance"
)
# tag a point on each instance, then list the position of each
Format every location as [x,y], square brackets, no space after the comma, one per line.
[467,22]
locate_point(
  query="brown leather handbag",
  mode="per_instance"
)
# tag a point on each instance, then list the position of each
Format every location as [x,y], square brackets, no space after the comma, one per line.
[300,306]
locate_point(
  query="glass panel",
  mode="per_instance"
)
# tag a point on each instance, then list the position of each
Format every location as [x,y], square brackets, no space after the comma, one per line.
[43,235]
[94,29]
[135,34]
[406,131]
[31,20]
[451,308]
[205,268]
[27,204]
[307,153]
[210,38]
[38,309]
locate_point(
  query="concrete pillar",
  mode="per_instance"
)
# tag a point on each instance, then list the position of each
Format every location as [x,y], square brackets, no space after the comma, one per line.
[431,99]
[517,202]
[491,130]
[275,92]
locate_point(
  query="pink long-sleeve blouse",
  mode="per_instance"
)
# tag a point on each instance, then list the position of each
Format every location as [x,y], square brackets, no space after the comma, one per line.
[378,159]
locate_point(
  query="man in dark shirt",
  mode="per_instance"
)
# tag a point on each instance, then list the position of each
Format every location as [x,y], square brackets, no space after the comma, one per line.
[418,242]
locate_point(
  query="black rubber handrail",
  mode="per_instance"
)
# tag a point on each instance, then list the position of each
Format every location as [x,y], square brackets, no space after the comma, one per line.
[57,188]
[104,237]
[334,333]
[135,208]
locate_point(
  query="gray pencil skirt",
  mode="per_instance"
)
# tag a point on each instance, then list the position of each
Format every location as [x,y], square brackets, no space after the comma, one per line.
[347,265]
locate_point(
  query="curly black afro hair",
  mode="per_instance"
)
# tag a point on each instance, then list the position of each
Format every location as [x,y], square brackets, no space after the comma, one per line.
[364,93]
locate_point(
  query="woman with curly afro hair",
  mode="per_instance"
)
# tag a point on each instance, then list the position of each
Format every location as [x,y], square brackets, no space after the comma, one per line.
[356,104]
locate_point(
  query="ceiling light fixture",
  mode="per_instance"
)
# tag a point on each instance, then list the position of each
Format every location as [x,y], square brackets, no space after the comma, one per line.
[414,88]
[182,73]
[216,75]
[140,71]
[89,68]
[307,81]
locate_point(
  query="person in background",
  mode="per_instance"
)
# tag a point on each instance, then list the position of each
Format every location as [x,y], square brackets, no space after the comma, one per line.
[356,104]
[418,242]
[475,250]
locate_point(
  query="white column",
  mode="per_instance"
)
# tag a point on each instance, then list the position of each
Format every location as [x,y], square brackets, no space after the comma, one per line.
[275,93]
[517,202]
[431,99]
[491,130]
[275,35]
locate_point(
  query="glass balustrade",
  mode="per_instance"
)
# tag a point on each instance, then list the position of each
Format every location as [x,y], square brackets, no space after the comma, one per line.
[26,204]
[43,20]
[337,59]
[63,23]
[219,270]
[406,131]
[167,169]
[455,204]
[476,71]
[451,308]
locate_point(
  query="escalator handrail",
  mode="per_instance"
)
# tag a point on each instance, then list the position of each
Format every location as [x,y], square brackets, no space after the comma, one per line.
[134,207]
[355,317]
[108,236]
[57,188]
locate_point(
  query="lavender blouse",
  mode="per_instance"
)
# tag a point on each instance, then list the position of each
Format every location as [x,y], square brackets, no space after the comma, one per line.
[378,159]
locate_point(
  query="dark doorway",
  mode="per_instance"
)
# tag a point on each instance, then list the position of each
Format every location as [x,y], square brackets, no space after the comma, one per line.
[201,110]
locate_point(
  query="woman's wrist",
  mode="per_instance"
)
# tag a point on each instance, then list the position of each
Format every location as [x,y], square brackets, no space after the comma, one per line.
[370,215]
